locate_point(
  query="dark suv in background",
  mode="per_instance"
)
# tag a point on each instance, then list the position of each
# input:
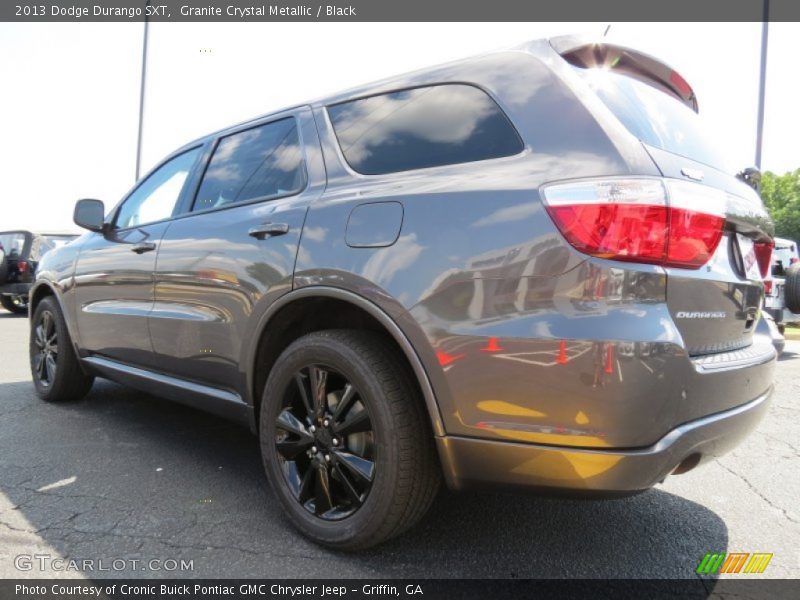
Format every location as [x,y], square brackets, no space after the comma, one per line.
[20,252]
[525,269]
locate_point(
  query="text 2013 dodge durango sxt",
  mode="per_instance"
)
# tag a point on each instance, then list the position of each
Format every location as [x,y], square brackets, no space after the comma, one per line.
[529,268]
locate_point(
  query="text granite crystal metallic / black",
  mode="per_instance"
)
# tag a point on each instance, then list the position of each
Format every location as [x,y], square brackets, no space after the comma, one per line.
[529,269]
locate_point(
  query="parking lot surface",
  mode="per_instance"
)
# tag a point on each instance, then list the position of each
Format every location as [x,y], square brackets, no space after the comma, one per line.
[123,476]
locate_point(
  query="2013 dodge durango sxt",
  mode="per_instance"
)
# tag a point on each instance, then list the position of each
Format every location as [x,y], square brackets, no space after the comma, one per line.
[529,268]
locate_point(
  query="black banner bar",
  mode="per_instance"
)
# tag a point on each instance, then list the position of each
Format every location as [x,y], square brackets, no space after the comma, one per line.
[396,10]
[424,589]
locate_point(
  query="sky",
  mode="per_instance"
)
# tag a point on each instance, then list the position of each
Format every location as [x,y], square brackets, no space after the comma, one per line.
[69,103]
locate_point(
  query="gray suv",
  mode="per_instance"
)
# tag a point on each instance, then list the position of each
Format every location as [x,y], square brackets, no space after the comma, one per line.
[526,269]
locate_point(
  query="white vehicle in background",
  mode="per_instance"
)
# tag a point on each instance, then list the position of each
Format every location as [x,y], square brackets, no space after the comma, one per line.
[782,288]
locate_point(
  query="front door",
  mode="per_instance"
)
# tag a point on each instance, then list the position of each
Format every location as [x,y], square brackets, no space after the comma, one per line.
[114,272]
[234,251]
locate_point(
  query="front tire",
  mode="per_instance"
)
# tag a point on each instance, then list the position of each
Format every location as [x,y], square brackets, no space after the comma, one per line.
[345,440]
[57,375]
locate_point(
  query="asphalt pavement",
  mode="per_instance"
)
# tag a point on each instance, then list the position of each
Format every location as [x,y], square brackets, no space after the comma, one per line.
[133,483]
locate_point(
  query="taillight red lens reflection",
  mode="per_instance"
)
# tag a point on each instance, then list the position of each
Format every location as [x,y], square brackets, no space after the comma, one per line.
[620,231]
[648,220]
[640,233]
[693,237]
[763,252]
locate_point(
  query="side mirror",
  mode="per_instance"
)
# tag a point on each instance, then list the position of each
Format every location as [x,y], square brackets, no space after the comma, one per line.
[89,214]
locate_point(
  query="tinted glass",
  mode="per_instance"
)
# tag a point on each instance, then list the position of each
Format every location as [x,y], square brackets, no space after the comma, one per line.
[423,127]
[655,117]
[262,162]
[156,197]
[13,244]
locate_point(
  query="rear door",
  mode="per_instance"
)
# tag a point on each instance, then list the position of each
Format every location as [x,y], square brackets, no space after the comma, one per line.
[233,250]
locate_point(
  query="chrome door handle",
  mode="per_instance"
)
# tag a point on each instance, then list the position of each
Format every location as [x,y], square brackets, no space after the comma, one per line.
[268,229]
[143,247]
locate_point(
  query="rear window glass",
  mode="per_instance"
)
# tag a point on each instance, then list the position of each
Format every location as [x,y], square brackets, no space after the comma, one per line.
[422,127]
[259,163]
[13,244]
[654,117]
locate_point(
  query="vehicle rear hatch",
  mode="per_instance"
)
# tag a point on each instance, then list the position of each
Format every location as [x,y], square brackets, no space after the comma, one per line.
[714,306]
[16,246]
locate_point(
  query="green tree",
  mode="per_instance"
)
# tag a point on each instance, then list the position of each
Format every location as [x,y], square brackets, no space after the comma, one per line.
[781,194]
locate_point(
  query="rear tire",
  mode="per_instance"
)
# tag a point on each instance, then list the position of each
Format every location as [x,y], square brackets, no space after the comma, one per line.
[57,374]
[791,288]
[15,304]
[342,485]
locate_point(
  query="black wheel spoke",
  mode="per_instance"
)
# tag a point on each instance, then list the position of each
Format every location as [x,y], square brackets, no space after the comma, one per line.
[298,441]
[291,449]
[319,382]
[345,402]
[305,393]
[47,321]
[39,337]
[361,468]
[349,488]
[299,483]
[355,423]
[50,368]
[38,365]
[304,493]
[323,500]
[291,424]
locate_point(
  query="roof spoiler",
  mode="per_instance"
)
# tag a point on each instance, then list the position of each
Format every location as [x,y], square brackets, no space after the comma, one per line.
[588,52]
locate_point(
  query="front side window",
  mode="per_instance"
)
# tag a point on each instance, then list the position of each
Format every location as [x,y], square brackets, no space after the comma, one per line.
[422,127]
[156,197]
[259,163]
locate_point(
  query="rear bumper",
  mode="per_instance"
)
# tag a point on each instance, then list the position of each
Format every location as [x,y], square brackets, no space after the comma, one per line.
[17,289]
[471,463]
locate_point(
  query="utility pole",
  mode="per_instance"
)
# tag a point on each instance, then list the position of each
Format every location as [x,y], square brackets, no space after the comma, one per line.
[762,83]
[141,97]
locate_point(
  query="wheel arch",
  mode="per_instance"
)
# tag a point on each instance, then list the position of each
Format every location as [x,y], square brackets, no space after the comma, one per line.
[290,317]
[39,291]
[44,288]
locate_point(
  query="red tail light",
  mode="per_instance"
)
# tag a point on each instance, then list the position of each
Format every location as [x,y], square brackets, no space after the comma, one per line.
[768,287]
[647,220]
[22,266]
[763,252]
[793,260]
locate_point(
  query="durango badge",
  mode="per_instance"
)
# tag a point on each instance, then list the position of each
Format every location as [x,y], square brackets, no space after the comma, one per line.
[701,315]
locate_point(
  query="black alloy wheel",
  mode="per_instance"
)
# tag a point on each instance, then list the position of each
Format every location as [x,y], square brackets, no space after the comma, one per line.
[325,443]
[57,373]
[344,439]
[45,338]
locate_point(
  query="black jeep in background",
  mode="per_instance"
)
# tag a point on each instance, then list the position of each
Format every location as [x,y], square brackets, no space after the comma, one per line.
[20,251]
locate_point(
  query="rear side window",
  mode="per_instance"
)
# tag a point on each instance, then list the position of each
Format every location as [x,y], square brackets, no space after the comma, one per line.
[422,127]
[259,163]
